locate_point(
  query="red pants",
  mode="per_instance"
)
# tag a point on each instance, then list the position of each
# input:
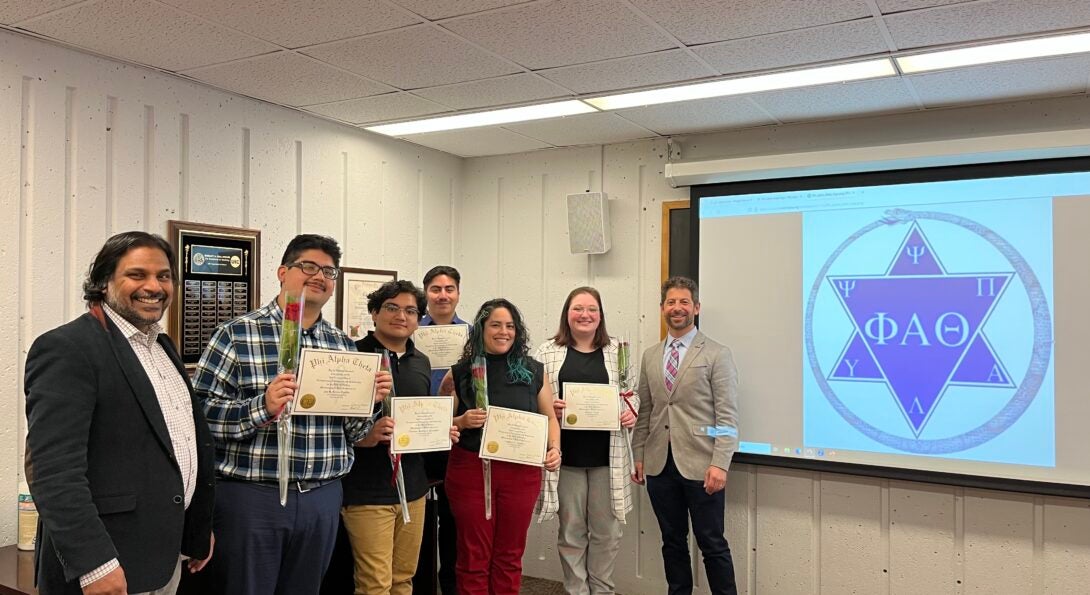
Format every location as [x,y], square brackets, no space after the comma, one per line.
[490,551]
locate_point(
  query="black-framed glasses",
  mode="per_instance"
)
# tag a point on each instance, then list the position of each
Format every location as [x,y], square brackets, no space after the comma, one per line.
[393,309]
[311,268]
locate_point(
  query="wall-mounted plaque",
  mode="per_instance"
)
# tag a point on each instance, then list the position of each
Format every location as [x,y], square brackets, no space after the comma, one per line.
[352,289]
[218,279]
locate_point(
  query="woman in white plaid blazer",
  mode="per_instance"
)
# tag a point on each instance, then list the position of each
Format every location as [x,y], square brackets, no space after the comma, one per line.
[591,489]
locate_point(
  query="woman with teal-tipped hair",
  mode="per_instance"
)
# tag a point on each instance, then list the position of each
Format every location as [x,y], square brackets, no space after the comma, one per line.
[495,369]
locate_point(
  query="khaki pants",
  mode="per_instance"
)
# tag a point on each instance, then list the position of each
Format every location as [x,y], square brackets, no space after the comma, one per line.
[589,536]
[384,548]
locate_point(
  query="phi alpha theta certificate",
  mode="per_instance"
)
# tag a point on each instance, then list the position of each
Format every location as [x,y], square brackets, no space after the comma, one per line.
[335,383]
[515,436]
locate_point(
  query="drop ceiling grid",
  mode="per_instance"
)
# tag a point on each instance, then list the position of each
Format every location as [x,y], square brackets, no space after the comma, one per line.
[561,33]
[14,11]
[146,32]
[988,19]
[222,45]
[293,24]
[288,78]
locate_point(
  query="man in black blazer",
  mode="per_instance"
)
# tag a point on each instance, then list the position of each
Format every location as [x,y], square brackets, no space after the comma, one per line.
[119,457]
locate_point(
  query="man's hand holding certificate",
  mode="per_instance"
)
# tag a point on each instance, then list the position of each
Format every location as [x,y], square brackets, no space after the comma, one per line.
[515,436]
[421,424]
[590,407]
[442,342]
[336,383]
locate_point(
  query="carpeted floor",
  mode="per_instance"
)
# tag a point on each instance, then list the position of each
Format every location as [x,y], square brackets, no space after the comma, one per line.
[540,586]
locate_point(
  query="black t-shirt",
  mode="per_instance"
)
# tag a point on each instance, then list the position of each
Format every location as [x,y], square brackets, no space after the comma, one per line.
[368,482]
[584,448]
[501,392]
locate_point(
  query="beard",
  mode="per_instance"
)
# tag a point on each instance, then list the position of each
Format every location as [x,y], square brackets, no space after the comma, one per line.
[128,309]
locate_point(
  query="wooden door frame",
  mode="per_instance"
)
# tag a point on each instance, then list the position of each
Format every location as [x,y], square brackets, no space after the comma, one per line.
[664,265]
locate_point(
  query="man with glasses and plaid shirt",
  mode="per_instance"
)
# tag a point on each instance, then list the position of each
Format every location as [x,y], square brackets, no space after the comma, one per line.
[263,548]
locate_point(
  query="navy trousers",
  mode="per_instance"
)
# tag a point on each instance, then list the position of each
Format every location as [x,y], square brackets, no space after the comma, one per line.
[676,500]
[263,548]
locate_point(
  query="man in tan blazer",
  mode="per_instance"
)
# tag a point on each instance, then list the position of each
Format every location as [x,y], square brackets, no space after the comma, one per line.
[686,433]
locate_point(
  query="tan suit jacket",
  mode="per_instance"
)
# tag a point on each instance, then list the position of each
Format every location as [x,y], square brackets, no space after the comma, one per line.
[704,396]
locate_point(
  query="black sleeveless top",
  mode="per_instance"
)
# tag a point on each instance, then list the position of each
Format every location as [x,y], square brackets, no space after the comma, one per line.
[501,392]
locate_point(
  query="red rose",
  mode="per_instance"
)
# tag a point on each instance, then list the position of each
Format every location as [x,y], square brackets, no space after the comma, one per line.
[293,312]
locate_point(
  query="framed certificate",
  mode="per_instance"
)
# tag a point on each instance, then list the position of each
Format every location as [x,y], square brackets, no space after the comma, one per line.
[591,407]
[333,382]
[421,424]
[352,289]
[218,279]
[515,436]
[442,343]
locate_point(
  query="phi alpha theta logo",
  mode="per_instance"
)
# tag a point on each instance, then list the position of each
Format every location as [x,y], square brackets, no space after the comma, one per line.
[927,332]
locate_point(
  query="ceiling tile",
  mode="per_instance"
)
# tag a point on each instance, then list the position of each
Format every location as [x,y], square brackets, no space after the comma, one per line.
[702,115]
[492,92]
[289,79]
[1003,82]
[542,35]
[293,24]
[892,6]
[584,129]
[147,33]
[439,9]
[705,21]
[13,11]
[838,101]
[625,73]
[477,142]
[413,58]
[985,20]
[806,46]
[380,108]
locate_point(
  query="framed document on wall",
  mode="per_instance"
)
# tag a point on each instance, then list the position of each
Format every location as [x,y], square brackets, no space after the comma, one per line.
[218,279]
[352,289]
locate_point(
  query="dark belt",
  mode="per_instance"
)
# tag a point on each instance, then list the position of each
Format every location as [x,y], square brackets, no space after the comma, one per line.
[300,486]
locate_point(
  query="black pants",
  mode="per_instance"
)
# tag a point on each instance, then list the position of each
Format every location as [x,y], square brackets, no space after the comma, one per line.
[448,543]
[676,500]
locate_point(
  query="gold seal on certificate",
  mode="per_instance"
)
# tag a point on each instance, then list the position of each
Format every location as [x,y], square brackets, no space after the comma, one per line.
[442,343]
[514,436]
[591,407]
[336,383]
[421,424]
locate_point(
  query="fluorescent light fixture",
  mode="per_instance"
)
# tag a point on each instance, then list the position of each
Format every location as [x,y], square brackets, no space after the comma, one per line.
[996,52]
[821,75]
[500,116]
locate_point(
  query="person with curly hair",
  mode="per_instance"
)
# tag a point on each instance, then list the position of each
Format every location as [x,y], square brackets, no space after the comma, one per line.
[490,549]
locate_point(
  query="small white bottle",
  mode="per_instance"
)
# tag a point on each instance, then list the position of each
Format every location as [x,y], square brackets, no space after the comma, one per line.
[28,518]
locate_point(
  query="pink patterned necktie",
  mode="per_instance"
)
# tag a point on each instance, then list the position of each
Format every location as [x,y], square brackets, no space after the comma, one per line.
[671,364]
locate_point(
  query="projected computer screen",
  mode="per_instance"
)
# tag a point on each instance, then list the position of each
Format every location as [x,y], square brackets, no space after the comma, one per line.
[933,320]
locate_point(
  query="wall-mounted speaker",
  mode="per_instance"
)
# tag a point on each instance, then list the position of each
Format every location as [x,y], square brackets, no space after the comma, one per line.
[588,223]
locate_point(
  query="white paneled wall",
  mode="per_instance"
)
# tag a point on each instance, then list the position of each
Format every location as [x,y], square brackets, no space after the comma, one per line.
[792,532]
[89,147]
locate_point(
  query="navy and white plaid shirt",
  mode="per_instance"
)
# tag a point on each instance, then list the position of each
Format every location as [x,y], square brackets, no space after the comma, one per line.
[236,367]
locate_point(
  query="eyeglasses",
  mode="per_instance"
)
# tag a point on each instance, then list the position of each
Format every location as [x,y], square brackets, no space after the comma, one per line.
[394,309]
[311,268]
[580,310]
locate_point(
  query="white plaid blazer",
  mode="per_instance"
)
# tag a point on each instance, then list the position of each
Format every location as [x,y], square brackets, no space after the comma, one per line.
[552,356]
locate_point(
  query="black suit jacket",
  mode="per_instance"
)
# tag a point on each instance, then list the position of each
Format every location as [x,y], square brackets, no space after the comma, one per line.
[100,463]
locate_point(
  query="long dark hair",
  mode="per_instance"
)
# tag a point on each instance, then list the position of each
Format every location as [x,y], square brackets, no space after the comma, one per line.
[111,253]
[563,332]
[518,369]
